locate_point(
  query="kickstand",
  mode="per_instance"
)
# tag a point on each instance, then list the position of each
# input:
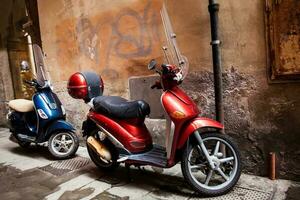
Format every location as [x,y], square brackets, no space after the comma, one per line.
[129,179]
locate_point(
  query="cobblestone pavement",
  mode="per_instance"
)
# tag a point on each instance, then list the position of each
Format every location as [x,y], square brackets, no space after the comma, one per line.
[32,174]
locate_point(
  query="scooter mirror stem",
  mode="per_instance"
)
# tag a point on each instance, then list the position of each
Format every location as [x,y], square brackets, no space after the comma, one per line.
[164,48]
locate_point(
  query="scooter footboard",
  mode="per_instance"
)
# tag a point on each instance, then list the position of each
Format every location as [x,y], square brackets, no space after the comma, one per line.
[195,124]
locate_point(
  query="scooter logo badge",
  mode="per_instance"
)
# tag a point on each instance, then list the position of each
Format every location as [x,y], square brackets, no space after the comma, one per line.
[178,115]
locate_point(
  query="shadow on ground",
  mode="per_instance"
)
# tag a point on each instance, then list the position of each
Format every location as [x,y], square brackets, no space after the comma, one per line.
[33,151]
[161,184]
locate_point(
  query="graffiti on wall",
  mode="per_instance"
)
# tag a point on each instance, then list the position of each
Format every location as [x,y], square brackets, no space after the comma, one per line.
[116,43]
[88,40]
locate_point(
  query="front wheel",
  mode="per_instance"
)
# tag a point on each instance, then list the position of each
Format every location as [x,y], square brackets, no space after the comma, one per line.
[63,144]
[218,178]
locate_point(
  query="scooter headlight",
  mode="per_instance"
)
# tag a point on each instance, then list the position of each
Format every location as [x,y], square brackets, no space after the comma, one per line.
[42,114]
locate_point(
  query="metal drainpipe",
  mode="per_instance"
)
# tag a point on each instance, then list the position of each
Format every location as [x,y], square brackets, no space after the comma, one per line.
[213,9]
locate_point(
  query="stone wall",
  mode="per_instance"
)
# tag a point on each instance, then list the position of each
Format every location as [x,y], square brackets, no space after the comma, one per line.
[6,89]
[262,118]
[118,39]
[10,14]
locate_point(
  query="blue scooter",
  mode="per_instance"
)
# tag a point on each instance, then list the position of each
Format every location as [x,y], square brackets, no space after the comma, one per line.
[43,118]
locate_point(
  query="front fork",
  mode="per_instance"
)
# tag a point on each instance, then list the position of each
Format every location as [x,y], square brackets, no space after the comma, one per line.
[213,166]
[204,149]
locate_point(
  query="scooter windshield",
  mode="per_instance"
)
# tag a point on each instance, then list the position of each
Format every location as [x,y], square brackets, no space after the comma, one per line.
[171,50]
[41,75]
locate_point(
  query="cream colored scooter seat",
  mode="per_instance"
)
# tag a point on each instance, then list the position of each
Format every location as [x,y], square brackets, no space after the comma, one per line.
[21,105]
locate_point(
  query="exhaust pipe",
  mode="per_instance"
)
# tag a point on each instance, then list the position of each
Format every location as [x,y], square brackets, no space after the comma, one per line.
[99,148]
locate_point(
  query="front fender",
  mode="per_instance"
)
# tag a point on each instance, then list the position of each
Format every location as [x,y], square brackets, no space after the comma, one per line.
[194,124]
[58,125]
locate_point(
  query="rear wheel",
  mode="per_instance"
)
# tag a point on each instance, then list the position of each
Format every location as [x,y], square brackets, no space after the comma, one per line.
[226,160]
[109,166]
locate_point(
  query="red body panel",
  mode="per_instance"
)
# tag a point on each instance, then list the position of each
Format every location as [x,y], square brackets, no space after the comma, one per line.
[133,133]
[175,100]
[194,124]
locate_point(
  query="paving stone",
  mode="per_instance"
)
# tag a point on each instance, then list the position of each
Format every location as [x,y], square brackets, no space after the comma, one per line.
[23,159]
[162,195]
[21,166]
[107,196]
[71,185]
[98,187]
[132,190]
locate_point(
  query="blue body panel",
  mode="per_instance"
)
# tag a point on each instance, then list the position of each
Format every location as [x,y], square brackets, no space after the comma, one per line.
[44,100]
[50,104]
[58,125]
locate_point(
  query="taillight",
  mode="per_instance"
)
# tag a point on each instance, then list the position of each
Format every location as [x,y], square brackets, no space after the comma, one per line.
[136,144]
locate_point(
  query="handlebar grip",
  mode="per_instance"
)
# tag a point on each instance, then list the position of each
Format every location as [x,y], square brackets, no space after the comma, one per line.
[28,82]
[31,83]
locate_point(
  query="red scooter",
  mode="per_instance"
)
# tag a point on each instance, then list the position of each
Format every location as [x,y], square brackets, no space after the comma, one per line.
[116,132]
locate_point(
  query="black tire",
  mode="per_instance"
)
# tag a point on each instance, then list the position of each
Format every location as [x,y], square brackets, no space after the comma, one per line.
[96,158]
[188,176]
[72,149]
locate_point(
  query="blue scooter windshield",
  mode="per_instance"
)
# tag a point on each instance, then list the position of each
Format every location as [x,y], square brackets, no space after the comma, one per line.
[41,75]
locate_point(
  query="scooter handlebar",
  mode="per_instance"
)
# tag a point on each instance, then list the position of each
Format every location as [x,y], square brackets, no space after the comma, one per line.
[28,82]
[31,83]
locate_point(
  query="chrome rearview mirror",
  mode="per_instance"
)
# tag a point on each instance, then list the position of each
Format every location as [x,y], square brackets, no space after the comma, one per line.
[24,66]
[152,64]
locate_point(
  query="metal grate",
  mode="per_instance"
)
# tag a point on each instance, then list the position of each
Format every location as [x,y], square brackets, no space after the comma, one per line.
[59,168]
[240,193]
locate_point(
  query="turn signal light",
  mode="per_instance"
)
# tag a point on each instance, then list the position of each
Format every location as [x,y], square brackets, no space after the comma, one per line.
[42,114]
[178,115]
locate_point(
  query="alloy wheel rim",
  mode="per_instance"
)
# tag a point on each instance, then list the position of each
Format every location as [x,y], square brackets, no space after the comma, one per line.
[62,143]
[217,173]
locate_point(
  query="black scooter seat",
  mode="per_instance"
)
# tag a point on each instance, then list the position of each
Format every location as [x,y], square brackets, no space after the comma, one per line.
[120,108]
